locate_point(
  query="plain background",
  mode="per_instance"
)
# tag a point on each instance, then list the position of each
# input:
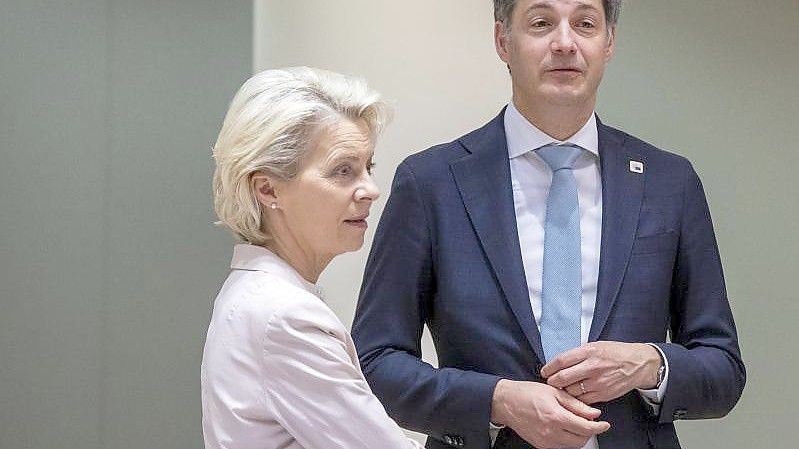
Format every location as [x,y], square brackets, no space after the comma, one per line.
[108,109]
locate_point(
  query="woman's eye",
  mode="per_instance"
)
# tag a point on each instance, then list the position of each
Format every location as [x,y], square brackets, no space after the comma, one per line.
[586,24]
[369,167]
[539,24]
[343,170]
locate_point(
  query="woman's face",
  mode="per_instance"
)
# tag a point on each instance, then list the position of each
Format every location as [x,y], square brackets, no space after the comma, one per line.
[325,206]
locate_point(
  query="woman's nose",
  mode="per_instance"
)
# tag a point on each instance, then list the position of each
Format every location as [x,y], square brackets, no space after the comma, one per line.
[368,190]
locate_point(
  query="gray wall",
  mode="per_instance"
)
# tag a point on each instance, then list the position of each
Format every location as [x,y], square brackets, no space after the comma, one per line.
[108,260]
[714,80]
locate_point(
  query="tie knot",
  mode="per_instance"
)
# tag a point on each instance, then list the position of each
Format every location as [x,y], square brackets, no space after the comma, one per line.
[559,157]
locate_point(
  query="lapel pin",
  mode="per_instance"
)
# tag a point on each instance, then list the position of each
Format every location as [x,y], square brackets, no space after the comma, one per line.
[636,166]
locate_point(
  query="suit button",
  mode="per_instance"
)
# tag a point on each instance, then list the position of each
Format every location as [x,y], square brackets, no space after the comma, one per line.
[680,413]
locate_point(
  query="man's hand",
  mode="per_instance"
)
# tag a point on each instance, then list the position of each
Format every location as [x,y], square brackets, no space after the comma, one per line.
[544,416]
[604,370]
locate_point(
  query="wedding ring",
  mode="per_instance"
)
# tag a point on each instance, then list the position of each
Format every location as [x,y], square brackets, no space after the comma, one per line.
[582,387]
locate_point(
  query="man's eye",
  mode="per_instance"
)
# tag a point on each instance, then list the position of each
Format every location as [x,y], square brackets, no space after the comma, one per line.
[369,167]
[586,24]
[539,24]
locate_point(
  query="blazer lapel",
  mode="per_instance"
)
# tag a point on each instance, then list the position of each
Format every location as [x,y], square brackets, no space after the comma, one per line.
[483,180]
[622,195]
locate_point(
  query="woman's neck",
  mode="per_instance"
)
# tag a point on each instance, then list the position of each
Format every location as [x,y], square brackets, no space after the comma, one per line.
[307,264]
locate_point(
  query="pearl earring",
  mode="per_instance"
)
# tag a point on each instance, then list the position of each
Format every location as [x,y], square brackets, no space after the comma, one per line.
[273,206]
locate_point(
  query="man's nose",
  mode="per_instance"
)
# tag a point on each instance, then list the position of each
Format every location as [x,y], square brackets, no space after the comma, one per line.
[563,39]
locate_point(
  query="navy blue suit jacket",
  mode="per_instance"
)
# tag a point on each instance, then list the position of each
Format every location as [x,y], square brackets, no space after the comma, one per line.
[446,254]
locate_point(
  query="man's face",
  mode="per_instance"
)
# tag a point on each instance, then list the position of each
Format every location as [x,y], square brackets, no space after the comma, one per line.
[556,51]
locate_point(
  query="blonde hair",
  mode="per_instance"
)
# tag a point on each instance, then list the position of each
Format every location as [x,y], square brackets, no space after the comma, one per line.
[270,125]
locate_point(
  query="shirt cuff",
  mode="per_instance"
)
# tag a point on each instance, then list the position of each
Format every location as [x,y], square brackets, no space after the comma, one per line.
[493,431]
[653,397]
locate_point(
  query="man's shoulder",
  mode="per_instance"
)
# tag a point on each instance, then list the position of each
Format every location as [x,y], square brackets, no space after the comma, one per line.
[441,153]
[619,139]
[440,156]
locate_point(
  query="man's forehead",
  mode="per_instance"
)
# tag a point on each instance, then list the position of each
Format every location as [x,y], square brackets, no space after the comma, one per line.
[551,4]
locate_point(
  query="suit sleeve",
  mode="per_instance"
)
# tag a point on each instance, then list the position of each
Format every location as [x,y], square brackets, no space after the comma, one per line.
[398,289]
[707,374]
[317,390]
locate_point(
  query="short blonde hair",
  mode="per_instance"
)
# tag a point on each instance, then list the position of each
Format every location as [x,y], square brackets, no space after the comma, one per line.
[270,125]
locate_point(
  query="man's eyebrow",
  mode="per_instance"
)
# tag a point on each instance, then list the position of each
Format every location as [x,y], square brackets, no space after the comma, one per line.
[583,5]
[549,4]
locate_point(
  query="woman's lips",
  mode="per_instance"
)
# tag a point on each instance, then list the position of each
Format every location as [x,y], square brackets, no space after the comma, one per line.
[360,223]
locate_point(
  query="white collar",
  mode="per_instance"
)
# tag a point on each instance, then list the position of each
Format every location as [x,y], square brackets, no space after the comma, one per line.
[523,136]
[257,258]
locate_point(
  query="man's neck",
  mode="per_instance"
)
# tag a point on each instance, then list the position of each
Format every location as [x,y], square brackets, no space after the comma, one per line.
[557,121]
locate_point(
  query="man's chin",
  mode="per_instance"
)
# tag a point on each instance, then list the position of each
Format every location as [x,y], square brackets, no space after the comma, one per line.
[565,97]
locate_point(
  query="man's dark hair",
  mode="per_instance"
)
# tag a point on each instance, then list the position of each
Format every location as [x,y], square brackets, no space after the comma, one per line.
[503,10]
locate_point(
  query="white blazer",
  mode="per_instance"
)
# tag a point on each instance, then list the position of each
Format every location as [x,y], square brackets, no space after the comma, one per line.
[280,370]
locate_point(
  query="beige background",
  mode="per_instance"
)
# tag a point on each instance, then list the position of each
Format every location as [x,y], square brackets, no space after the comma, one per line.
[714,80]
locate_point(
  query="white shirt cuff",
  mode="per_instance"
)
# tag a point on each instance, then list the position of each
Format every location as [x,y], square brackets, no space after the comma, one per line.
[493,431]
[653,397]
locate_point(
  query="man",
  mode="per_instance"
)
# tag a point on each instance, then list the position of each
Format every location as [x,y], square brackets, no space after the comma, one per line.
[568,272]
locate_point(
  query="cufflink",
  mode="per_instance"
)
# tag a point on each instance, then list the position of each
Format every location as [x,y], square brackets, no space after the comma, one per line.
[453,440]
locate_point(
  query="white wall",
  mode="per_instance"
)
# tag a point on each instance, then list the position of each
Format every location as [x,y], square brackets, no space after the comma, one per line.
[713,80]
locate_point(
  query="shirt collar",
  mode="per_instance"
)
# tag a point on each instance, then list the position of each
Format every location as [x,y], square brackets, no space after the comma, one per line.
[257,258]
[523,136]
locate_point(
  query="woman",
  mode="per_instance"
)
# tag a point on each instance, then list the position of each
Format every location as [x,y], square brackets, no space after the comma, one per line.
[293,181]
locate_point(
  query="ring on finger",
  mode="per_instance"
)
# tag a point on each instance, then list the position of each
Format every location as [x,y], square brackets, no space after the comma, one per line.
[582,387]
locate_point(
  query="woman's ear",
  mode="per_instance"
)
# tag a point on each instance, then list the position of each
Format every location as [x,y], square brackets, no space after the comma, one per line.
[264,188]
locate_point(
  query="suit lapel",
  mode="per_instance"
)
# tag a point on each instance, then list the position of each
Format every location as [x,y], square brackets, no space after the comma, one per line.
[622,194]
[483,180]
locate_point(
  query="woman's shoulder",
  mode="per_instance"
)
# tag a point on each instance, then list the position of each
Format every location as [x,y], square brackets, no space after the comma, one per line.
[305,313]
[274,303]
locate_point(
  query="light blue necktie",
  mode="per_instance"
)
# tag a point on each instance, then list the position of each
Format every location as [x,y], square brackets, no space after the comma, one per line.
[561,294]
